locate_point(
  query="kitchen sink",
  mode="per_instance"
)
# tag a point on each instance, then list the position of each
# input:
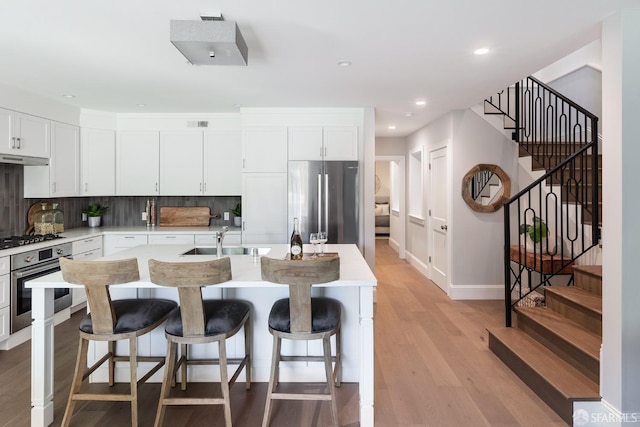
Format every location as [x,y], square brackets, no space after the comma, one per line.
[229,250]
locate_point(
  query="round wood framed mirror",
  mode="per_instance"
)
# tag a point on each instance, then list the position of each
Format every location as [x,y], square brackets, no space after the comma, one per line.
[485,188]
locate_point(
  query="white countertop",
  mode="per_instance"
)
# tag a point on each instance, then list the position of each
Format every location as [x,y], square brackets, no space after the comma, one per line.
[245,269]
[85,232]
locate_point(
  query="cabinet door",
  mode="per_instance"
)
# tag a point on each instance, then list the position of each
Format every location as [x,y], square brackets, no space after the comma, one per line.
[65,160]
[33,134]
[98,151]
[305,143]
[223,163]
[7,132]
[341,143]
[181,163]
[114,243]
[264,149]
[264,208]
[137,163]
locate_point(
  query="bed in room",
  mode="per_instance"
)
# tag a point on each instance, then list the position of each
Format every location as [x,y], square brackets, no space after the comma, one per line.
[382,214]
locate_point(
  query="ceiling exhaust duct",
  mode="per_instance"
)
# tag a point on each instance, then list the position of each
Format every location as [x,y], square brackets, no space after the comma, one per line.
[211,41]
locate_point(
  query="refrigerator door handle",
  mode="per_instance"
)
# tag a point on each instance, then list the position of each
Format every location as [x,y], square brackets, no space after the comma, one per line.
[319,203]
[326,201]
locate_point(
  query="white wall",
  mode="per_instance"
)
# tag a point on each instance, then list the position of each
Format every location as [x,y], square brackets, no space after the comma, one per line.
[26,102]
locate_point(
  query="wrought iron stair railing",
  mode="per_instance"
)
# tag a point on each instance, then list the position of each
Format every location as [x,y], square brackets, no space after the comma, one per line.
[553,221]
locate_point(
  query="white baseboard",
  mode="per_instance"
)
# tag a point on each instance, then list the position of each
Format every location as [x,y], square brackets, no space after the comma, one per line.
[471,292]
[601,414]
[419,265]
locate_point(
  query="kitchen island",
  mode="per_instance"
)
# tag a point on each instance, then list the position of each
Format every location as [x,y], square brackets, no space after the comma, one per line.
[354,290]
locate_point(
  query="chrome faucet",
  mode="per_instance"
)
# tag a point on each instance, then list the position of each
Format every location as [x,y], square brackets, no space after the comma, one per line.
[220,239]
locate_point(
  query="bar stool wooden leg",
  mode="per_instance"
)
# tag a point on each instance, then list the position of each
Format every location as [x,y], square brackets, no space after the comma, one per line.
[326,344]
[247,352]
[81,363]
[133,368]
[338,367]
[273,379]
[169,373]
[224,381]
[112,364]
[184,353]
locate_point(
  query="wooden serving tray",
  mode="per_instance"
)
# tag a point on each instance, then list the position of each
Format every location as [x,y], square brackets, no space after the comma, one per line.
[189,216]
[307,256]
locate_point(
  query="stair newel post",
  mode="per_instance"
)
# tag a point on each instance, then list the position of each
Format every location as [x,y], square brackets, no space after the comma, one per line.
[595,230]
[507,264]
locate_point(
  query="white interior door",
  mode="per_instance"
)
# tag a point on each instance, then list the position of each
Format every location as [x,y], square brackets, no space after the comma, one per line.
[439,217]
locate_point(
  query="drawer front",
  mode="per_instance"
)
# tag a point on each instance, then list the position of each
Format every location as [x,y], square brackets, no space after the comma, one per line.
[127,241]
[210,239]
[170,239]
[4,265]
[5,286]
[85,245]
[89,255]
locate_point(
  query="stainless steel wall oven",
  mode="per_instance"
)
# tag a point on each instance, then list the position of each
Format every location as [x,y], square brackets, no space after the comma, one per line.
[28,266]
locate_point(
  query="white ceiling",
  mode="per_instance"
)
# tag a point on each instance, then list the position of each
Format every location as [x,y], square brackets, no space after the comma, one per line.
[113,55]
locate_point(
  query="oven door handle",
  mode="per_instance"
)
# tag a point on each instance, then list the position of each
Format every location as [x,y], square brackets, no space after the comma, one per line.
[37,269]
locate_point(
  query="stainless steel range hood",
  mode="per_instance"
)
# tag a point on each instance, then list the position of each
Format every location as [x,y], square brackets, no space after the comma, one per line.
[24,160]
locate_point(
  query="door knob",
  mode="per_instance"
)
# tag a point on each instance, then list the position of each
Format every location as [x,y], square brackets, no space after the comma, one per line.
[443,227]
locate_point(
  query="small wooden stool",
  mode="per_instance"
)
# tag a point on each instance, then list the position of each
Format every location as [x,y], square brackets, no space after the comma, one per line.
[201,321]
[301,317]
[112,321]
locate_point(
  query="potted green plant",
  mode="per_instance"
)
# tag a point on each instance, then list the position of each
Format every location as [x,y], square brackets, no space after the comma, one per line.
[237,211]
[536,231]
[94,214]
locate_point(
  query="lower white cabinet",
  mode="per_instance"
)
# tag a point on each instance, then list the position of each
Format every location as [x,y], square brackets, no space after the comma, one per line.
[84,250]
[170,239]
[114,243]
[5,288]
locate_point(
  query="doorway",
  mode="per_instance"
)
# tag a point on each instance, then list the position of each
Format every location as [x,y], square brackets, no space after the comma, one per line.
[395,165]
[439,217]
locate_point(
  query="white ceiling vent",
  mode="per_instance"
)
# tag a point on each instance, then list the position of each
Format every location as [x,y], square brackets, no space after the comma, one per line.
[211,41]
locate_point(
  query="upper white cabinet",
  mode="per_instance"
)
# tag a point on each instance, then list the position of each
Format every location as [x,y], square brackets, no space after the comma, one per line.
[323,143]
[98,154]
[222,163]
[23,134]
[264,149]
[137,163]
[61,178]
[181,163]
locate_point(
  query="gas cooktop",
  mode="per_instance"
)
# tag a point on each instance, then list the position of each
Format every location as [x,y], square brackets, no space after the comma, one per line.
[27,239]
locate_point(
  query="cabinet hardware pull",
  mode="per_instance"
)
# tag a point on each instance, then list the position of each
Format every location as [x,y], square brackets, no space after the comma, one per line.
[156,186]
[86,187]
[19,143]
[13,142]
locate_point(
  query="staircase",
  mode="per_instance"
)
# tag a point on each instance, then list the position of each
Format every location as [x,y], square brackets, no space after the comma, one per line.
[555,349]
[555,344]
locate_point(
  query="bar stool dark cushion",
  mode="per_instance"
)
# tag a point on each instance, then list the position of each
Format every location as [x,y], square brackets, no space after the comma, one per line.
[133,314]
[325,315]
[221,317]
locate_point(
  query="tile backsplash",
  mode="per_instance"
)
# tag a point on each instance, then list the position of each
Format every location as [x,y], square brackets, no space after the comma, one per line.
[124,211]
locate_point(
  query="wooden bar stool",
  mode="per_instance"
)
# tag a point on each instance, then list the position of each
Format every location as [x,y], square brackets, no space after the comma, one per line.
[301,317]
[201,321]
[112,321]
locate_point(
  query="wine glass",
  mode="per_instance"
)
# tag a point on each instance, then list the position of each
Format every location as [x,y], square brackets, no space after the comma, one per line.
[313,239]
[322,239]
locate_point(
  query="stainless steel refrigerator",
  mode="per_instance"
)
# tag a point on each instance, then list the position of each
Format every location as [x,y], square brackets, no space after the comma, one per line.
[323,195]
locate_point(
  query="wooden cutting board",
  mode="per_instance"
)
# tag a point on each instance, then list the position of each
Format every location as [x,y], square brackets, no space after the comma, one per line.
[191,216]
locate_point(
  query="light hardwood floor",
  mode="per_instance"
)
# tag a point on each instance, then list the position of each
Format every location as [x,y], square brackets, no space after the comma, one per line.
[432,368]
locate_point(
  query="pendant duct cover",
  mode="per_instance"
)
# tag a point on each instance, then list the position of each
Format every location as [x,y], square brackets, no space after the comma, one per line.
[209,42]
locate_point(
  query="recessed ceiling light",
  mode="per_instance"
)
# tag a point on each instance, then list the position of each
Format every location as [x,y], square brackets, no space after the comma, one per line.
[68,95]
[421,103]
[141,105]
[344,63]
[408,114]
[391,127]
[237,105]
[481,51]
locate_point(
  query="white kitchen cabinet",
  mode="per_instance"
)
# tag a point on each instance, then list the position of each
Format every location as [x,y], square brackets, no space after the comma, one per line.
[231,238]
[323,143]
[114,243]
[264,208]
[137,163]
[181,163]
[264,149]
[222,163]
[170,239]
[98,165]
[5,289]
[23,134]
[61,177]
[84,250]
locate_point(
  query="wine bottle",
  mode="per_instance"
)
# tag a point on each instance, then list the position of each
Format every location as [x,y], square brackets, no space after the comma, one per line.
[296,241]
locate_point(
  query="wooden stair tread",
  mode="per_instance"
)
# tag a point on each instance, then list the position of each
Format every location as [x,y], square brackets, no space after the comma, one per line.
[563,377]
[542,263]
[592,270]
[581,338]
[578,296]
